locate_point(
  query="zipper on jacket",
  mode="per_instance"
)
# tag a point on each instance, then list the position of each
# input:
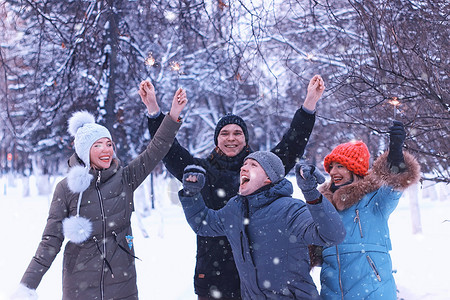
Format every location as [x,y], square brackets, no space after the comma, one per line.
[102,210]
[358,219]
[374,268]
[339,270]
[242,246]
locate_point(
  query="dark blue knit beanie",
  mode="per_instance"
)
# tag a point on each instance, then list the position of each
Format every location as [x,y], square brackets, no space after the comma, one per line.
[230,119]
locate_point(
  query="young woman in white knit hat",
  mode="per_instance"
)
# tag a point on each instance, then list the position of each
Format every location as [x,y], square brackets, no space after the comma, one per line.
[92,208]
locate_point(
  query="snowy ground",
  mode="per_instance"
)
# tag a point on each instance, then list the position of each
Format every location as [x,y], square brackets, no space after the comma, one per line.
[168,254]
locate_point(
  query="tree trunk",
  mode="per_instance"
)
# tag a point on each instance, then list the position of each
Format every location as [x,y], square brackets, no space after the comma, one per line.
[43,184]
[415,210]
[25,186]
[152,191]
[112,40]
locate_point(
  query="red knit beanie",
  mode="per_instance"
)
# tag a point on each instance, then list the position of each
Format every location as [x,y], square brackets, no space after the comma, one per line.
[352,155]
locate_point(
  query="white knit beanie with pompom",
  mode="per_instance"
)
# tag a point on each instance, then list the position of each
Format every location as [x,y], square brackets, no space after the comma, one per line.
[86,132]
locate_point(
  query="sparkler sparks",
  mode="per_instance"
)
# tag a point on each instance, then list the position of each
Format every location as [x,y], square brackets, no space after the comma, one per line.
[150,60]
[175,66]
[394,101]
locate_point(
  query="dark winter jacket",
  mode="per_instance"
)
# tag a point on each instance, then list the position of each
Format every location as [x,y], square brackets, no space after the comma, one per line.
[269,232]
[360,267]
[108,204]
[215,264]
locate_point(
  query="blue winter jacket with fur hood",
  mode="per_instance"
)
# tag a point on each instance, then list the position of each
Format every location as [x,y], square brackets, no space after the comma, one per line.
[269,232]
[360,267]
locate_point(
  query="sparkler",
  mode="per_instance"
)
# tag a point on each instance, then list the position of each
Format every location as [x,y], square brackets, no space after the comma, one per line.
[176,67]
[394,101]
[309,56]
[150,60]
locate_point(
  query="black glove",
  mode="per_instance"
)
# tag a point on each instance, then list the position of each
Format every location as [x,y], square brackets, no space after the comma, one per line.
[397,135]
[191,187]
[308,178]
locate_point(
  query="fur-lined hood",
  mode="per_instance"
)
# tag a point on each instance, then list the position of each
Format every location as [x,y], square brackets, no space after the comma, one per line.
[77,228]
[79,177]
[379,175]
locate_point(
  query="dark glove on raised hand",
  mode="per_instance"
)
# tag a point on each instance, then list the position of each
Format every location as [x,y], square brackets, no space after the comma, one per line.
[308,178]
[193,179]
[397,135]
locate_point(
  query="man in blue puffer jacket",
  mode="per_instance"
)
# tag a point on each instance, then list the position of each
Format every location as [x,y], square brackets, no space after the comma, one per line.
[269,231]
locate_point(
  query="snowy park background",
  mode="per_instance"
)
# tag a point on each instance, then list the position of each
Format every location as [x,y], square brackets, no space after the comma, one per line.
[421,261]
[381,60]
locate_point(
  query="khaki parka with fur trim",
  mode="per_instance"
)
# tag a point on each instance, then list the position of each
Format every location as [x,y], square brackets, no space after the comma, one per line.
[108,204]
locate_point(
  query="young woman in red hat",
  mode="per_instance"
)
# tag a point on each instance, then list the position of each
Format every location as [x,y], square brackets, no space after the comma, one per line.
[360,267]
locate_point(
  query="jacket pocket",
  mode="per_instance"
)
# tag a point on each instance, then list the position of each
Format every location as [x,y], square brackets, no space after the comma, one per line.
[70,257]
[373,267]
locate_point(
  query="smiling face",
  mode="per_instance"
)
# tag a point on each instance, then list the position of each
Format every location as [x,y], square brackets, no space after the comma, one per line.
[101,153]
[253,177]
[231,140]
[339,174]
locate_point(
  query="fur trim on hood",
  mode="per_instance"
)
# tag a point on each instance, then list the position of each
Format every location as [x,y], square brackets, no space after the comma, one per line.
[399,181]
[76,228]
[79,179]
[349,195]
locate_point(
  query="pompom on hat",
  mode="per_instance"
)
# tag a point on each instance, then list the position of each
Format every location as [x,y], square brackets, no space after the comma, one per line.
[86,132]
[271,163]
[354,156]
[230,119]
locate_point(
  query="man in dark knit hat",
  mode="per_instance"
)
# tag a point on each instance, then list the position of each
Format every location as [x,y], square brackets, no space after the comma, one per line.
[216,275]
[269,231]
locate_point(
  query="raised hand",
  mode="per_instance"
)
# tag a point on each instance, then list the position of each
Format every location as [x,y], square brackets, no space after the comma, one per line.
[316,87]
[397,136]
[308,178]
[178,103]
[148,97]
[193,179]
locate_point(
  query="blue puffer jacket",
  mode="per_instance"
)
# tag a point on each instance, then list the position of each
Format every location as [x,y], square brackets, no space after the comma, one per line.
[360,267]
[215,268]
[269,232]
